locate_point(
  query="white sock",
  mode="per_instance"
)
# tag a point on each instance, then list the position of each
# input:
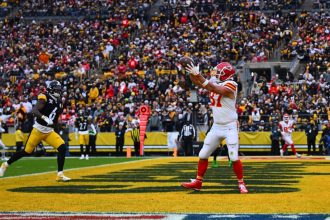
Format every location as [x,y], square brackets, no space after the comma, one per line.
[59,173]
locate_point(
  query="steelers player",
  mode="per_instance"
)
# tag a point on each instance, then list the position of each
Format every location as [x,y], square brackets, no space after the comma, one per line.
[82,124]
[46,112]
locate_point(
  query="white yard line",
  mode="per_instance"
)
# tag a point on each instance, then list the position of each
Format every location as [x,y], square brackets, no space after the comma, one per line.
[78,168]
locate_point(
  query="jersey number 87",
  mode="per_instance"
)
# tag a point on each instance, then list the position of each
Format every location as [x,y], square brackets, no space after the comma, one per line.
[215,101]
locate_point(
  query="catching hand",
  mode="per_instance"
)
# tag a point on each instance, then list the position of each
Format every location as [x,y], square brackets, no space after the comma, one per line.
[194,70]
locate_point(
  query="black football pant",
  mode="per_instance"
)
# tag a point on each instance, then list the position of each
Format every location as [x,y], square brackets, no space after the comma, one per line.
[187,146]
[137,148]
[92,143]
[310,143]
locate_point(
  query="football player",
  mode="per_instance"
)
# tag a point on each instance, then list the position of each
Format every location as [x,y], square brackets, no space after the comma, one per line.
[46,112]
[223,95]
[286,127]
[83,124]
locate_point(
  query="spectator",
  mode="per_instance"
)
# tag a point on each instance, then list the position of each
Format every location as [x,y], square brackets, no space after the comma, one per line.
[93,94]
[120,138]
[311,132]
[154,122]
[92,136]
[275,139]
[19,138]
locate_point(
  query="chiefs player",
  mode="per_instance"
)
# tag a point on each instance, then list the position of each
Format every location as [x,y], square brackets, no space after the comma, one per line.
[46,111]
[286,127]
[223,100]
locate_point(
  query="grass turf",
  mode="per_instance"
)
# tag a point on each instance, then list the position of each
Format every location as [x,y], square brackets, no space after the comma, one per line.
[30,165]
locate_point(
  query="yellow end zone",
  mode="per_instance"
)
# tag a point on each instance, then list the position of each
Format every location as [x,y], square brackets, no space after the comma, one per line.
[276,185]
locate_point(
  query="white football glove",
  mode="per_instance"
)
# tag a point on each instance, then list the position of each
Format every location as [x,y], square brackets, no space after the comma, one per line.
[191,69]
[47,120]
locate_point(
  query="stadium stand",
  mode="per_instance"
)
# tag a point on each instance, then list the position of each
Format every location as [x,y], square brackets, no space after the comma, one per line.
[130,55]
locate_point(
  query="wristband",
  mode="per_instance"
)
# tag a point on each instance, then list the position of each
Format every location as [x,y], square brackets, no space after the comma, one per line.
[205,83]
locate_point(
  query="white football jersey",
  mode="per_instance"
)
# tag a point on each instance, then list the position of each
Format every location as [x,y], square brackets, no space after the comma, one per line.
[286,127]
[224,108]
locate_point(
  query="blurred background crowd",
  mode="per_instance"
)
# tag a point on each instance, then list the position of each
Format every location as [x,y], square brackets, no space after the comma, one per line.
[112,56]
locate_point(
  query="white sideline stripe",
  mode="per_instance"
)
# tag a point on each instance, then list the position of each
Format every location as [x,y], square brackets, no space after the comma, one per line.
[298,146]
[78,168]
[167,216]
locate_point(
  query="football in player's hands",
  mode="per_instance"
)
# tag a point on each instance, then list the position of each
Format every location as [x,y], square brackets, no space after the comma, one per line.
[185,61]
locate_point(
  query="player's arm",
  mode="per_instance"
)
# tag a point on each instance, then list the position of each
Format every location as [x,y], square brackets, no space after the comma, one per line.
[41,103]
[36,109]
[200,81]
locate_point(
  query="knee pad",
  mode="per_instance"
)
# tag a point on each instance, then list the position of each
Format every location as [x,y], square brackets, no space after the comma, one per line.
[232,153]
[232,144]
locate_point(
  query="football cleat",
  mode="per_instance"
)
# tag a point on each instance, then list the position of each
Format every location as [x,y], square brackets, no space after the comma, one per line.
[4,158]
[298,155]
[3,168]
[87,157]
[62,178]
[242,188]
[82,157]
[281,153]
[194,185]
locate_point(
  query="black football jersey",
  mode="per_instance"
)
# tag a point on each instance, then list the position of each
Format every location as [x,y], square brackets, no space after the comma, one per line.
[52,109]
[82,123]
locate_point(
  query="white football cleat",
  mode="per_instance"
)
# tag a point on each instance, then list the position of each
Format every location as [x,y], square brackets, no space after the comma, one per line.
[82,157]
[87,157]
[4,158]
[3,168]
[62,178]
[298,155]
[281,153]
[242,188]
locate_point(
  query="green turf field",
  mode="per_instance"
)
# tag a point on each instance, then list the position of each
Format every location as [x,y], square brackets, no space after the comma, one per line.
[48,164]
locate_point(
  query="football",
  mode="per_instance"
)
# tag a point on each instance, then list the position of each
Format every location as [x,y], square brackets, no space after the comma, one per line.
[184,61]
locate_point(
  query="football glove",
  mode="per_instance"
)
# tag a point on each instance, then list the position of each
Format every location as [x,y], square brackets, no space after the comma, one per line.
[47,120]
[194,70]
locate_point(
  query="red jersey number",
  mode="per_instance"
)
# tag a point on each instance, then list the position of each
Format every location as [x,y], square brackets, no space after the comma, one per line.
[215,102]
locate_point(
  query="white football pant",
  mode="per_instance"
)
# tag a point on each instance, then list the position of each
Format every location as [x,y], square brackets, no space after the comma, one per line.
[287,139]
[216,135]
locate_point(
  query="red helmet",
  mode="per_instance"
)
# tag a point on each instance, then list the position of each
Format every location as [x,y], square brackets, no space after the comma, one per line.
[286,117]
[224,71]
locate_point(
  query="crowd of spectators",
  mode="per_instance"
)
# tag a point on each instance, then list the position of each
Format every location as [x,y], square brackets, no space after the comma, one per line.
[84,7]
[108,66]
[243,5]
[306,98]
[7,6]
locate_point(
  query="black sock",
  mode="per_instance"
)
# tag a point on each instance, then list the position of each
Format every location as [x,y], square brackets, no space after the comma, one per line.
[18,155]
[60,157]
[87,149]
[82,149]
